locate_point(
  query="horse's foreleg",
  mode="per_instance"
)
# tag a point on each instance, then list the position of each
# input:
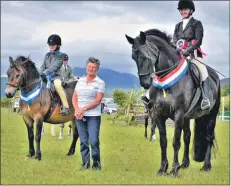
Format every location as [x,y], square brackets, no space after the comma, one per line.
[146,126]
[74,139]
[69,130]
[153,127]
[53,130]
[61,131]
[29,124]
[163,144]
[187,135]
[39,126]
[179,121]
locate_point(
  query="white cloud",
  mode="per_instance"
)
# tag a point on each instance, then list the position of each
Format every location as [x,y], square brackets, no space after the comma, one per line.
[99,29]
[18,4]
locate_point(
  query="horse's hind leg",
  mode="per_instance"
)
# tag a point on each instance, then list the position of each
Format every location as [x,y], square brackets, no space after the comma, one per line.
[146,126]
[74,139]
[39,126]
[187,135]
[29,124]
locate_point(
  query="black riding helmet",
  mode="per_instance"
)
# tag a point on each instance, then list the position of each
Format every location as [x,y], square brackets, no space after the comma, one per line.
[54,40]
[66,57]
[186,4]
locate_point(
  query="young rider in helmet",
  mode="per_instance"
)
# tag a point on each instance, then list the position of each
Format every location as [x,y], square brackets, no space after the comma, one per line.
[51,69]
[191,30]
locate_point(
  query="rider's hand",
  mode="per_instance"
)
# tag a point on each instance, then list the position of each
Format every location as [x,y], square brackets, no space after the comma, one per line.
[43,77]
[187,51]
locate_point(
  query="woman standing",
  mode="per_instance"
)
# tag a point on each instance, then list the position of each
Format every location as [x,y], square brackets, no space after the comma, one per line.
[86,100]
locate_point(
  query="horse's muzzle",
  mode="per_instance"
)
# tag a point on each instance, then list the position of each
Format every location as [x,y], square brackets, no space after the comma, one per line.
[145,81]
[10,93]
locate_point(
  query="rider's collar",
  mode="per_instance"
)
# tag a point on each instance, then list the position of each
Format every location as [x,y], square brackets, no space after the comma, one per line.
[184,19]
[54,52]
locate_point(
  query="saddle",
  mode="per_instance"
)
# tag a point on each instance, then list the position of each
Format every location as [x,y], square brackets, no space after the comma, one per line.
[195,110]
[55,99]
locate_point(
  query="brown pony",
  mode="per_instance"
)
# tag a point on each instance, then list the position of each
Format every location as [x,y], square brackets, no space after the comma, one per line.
[38,104]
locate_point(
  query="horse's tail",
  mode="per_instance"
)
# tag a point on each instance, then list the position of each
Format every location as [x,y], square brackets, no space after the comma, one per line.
[202,126]
[200,141]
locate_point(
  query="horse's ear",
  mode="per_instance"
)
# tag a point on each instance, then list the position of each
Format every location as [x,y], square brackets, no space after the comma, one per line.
[130,39]
[142,37]
[11,61]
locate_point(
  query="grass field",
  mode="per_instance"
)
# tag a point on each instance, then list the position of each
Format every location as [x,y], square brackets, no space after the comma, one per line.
[127,157]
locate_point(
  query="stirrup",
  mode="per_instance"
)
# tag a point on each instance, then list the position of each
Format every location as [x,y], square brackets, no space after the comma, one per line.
[205,102]
[66,112]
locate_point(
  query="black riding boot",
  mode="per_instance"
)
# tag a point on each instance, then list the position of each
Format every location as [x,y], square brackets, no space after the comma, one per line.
[205,103]
[146,102]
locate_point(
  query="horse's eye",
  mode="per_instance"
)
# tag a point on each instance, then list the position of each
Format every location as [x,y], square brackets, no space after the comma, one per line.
[17,76]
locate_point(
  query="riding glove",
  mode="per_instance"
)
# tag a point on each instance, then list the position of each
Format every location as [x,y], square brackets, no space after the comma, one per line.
[43,77]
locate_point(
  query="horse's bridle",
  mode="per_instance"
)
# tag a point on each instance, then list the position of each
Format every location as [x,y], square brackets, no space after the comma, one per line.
[18,87]
[150,72]
[154,62]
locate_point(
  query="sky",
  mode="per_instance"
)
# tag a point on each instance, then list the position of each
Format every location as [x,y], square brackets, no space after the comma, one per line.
[98,29]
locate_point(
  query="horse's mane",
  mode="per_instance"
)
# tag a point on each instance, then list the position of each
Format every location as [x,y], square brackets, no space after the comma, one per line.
[163,35]
[29,66]
[167,46]
[156,32]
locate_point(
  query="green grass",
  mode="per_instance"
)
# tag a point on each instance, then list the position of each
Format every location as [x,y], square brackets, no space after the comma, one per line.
[127,157]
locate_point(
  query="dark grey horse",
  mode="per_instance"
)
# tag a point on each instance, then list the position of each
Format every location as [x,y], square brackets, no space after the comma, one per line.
[154,53]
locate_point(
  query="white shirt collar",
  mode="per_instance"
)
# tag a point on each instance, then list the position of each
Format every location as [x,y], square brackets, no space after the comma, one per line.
[187,19]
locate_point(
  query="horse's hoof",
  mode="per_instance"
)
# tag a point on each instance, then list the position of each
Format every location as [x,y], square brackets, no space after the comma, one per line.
[61,138]
[28,157]
[71,152]
[146,136]
[206,168]
[174,174]
[161,172]
[37,157]
[185,164]
[175,171]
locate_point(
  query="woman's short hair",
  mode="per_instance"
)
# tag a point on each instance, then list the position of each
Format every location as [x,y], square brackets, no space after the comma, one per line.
[93,60]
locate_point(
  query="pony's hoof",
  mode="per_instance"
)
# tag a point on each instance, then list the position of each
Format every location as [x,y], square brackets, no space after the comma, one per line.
[61,138]
[185,164]
[37,157]
[71,152]
[206,168]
